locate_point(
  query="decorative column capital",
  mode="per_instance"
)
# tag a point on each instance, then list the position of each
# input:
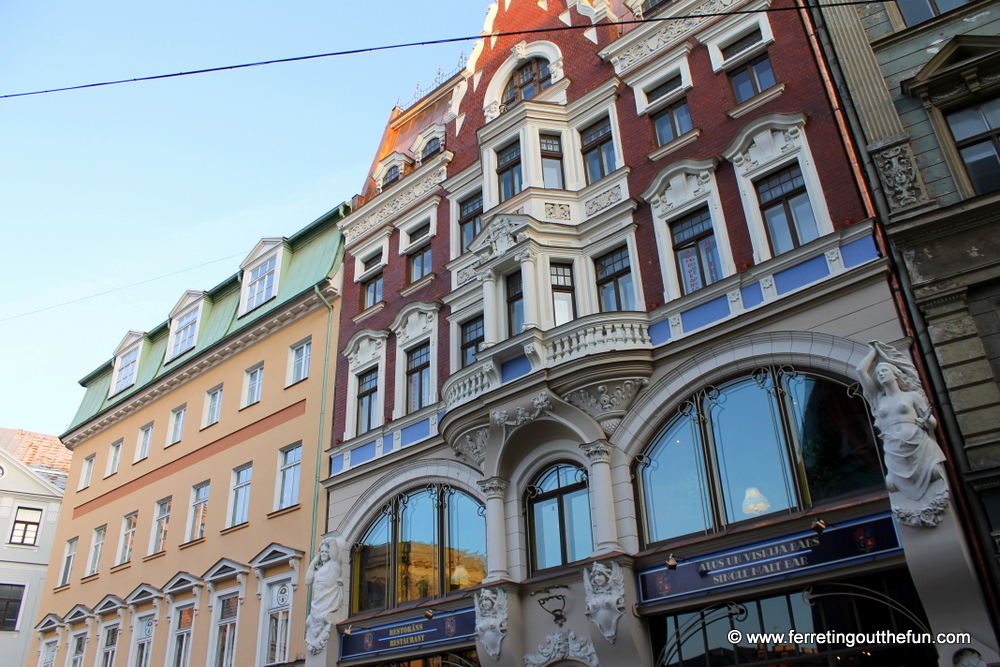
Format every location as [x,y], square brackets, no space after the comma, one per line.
[598,451]
[494,487]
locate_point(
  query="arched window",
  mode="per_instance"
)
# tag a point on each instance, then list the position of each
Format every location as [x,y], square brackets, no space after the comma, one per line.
[775,441]
[392,175]
[559,516]
[527,81]
[424,543]
[433,147]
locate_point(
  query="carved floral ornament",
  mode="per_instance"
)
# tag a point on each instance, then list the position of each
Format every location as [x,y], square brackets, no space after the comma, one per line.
[365,347]
[607,402]
[501,236]
[604,200]
[563,646]
[395,205]
[540,405]
[473,445]
[901,180]
[418,322]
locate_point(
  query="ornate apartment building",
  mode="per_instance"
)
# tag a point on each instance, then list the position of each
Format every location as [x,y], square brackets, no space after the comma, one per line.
[190,509]
[608,294]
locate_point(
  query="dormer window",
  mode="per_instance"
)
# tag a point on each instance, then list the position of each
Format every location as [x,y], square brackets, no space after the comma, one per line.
[392,175]
[261,273]
[433,147]
[261,286]
[184,334]
[527,81]
[125,370]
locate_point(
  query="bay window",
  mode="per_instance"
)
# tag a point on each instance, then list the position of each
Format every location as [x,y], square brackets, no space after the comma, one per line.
[598,150]
[614,281]
[509,170]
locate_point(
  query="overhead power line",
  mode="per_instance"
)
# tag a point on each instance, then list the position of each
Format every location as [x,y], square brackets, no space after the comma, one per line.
[448,40]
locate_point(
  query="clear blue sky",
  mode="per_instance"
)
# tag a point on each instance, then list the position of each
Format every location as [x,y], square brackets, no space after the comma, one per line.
[106,187]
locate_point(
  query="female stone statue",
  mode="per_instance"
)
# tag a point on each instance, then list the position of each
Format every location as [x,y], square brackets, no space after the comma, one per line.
[323,575]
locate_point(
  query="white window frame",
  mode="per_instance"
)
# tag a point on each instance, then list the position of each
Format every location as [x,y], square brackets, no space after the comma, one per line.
[297,372]
[669,66]
[87,474]
[286,471]
[724,33]
[415,325]
[369,248]
[253,389]
[767,144]
[267,249]
[177,418]
[145,442]
[522,53]
[47,654]
[213,406]
[183,660]
[126,368]
[179,324]
[271,587]
[138,640]
[213,651]
[69,556]
[237,489]
[114,457]
[100,536]
[365,350]
[74,659]
[127,539]
[161,525]
[107,654]
[196,529]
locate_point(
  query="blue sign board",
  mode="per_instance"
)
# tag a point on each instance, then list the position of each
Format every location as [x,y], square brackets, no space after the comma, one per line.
[852,541]
[445,627]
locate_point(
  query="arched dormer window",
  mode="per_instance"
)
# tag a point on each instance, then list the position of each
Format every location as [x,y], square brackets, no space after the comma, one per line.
[558,508]
[425,543]
[527,81]
[433,147]
[392,175]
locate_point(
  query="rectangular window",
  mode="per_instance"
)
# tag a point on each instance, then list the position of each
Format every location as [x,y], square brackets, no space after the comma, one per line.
[279,598]
[129,522]
[509,170]
[109,645]
[563,302]
[473,335]
[225,638]
[470,219]
[977,136]
[160,525]
[182,637]
[664,89]
[367,401]
[27,521]
[49,653]
[143,634]
[10,605]
[301,355]
[114,457]
[67,565]
[254,385]
[213,406]
[184,333]
[199,511]
[695,250]
[88,471]
[371,291]
[261,287]
[598,150]
[614,281]
[77,647]
[127,365]
[96,548]
[145,440]
[788,215]
[515,304]
[672,122]
[291,465]
[418,377]
[241,495]
[177,417]
[420,264]
[918,11]
[552,171]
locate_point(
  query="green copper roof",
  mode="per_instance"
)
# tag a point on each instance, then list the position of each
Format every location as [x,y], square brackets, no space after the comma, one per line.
[311,256]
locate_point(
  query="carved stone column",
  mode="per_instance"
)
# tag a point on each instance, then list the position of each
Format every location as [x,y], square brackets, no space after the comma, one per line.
[606,536]
[495,489]
[529,279]
[489,307]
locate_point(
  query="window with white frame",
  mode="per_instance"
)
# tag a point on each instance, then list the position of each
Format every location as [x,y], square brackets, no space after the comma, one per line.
[77,648]
[145,441]
[289,470]
[177,417]
[114,457]
[276,630]
[661,95]
[615,288]
[48,653]
[182,332]
[420,263]
[240,501]
[598,149]
[199,510]
[253,383]
[143,646]
[563,292]
[473,333]
[11,596]
[161,514]
[126,366]
[418,377]
[367,415]
[213,405]
[509,170]
[88,471]
[109,645]
[514,290]
[738,47]
[552,160]
[415,328]
[470,219]
[261,287]
[69,555]
[183,624]
[299,356]
[127,542]
[224,653]
[96,549]
[366,372]
[27,522]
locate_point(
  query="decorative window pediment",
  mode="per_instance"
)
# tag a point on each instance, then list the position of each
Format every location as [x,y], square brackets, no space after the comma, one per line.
[414,321]
[109,604]
[78,613]
[766,142]
[143,593]
[48,623]
[428,143]
[522,54]
[499,235]
[261,273]
[225,569]
[181,583]
[365,347]
[390,169]
[680,186]
[275,554]
[965,66]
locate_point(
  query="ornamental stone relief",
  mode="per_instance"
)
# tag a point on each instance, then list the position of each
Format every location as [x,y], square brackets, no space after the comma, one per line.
[603,200]
[605,589]
[396,204]
[901,180]
[540,404]
[680,190]
[499,238]
[415,325]
[606,403]
[474,445]
[556,211]
[563,646]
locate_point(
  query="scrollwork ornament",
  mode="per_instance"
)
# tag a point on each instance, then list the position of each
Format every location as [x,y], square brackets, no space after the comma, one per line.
[899,176]
[563,646]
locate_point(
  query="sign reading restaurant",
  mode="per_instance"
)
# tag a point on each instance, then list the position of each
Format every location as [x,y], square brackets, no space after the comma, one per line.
[445,627]
[862,539]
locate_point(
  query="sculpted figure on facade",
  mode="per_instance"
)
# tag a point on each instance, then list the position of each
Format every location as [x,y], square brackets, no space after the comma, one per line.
[906,425]
[324,575]
[605,589]
[560,646]
[491,619]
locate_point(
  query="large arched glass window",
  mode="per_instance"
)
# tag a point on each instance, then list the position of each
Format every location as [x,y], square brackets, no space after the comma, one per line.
[527,81]
[424,543]
[774,441]
[559,516]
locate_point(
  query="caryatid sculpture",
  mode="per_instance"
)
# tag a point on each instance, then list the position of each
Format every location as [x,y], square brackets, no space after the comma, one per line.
[324,575]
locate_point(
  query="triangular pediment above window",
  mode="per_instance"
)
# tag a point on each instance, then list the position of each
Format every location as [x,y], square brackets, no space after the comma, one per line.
[225,569]
[143,593]
[130,339]
[78,614]
[264,247]
[965,65]
[499,234]
[48,623]
[109,604]
[181,583]
[190,298]
[275,554]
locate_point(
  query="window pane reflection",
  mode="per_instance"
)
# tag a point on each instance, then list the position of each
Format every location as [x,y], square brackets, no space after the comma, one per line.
[417,551]
[674,487]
